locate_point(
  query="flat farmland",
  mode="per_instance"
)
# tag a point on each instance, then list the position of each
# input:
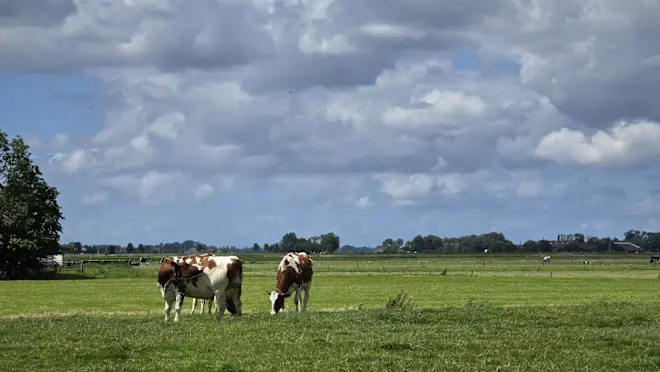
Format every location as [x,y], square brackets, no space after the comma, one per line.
[458,313]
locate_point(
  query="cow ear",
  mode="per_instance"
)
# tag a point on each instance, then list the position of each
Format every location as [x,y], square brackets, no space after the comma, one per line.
[267,293]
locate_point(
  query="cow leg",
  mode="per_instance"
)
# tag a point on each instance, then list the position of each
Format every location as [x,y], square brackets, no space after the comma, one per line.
[234,304]
[194,306]
[169,298]
[220,304]
[210,305]
[179,304]
[306,289]
[168,308]
[296,299]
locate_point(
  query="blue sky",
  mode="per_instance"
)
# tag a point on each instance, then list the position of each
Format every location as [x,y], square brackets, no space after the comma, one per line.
[368,119]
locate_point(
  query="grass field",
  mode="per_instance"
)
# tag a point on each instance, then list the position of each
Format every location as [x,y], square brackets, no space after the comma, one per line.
[467,313]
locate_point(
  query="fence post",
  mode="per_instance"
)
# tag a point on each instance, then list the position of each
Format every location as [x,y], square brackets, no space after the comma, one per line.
[82,266]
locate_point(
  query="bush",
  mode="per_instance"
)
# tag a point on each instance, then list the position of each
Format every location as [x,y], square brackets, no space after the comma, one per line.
[401,302]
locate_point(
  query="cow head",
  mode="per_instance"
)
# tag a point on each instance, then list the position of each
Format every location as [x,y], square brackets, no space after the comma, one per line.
[276,301]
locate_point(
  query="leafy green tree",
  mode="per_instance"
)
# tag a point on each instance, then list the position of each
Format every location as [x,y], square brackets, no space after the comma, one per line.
[288,242]
[30,215]
[330,242]
[530,246]
[256,247]
[130,248]
[418,244]
[140,248]
[388,242]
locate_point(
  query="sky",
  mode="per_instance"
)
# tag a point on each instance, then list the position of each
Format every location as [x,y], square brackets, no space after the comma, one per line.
[233,122]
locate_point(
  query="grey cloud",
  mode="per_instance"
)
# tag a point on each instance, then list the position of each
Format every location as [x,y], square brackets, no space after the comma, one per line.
[297,71]
[609,46]
[436,15]
[40,13]
[209,35]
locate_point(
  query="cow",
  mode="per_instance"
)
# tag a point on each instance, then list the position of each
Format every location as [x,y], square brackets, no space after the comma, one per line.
[218,277]
[546,259]
[654,258]
[586,262]
[294,273]
[197,260]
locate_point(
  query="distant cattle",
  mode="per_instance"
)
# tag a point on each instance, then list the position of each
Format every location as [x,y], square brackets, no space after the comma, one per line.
[217,277]
[546,259]
[586,262]
[294,274]
[197,260]
[654,259]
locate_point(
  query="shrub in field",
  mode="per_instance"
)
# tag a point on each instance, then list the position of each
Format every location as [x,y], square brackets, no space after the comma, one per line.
[400,302]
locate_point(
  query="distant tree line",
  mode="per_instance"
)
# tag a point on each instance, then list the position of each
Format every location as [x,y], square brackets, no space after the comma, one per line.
[492,242]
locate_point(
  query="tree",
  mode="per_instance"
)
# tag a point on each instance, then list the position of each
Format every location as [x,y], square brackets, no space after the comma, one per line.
[418,244]
[388,242]
[531,246]
[433,243]
[330,242]
[545,246]
[130,248]
[288,242]
[255,247]
[30,216]
[140,248]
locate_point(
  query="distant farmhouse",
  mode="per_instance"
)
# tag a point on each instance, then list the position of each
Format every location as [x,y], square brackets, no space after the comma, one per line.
[611,247]
[383,249]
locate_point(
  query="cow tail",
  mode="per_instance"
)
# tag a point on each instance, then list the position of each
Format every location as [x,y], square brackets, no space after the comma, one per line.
[237,281]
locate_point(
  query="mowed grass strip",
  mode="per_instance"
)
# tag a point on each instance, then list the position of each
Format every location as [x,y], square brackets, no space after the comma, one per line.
[328,292]
[601,336]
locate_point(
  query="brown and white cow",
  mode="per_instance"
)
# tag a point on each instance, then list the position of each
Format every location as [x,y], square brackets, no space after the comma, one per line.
[294,274]
[218,277]
[196,260]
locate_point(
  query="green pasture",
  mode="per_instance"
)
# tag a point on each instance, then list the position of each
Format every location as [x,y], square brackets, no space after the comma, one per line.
[366,313]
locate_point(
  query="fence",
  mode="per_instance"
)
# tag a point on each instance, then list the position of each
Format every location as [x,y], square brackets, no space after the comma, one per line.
[80,264]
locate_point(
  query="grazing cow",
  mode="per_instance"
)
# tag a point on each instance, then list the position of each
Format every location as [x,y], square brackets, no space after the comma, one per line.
[293,274]
[546,259]
[218,277]
[586,262]
[197,260]
[654,258]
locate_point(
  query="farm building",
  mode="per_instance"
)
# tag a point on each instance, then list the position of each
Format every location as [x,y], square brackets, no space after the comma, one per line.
[53,260]
[571,246]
